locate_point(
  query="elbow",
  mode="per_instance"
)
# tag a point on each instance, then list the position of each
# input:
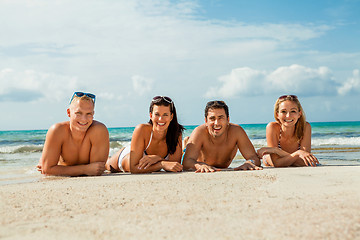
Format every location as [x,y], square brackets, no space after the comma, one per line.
[46,170]
[186,165]
[134,170]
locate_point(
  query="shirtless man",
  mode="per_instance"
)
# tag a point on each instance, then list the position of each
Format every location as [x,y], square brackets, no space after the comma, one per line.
[79,146]
[214,144]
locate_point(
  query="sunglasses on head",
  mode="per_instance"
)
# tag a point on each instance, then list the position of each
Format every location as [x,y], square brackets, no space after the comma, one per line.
[220,103]
[159,98]
[288,96]
[80,94]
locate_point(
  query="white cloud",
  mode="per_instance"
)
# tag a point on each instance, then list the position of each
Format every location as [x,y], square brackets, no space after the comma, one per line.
[141,84]
[29,85]
[295,79]
[351,85]
[239,81]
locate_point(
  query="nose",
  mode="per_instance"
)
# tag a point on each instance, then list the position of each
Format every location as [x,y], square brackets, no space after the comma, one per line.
[287,114]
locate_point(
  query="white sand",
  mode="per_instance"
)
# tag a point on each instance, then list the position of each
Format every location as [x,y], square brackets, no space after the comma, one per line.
[289,203]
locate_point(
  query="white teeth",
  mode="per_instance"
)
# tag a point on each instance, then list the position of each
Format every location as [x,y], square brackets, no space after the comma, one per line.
[217,128]
[161,124]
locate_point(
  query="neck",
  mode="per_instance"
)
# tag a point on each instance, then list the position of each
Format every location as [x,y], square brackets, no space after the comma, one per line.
[77,135]
[288,131]
[159,135]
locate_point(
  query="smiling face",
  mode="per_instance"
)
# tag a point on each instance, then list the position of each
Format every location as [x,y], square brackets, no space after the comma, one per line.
[81,113]
[216,122]
[161,117]
[288,113]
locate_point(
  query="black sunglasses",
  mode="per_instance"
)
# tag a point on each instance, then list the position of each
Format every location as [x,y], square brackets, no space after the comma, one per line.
[288,96]
[80,94]
[158,99]
[220,103]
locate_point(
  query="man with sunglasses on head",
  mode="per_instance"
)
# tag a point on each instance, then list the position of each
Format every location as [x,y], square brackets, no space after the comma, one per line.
[213,145]
[79,146]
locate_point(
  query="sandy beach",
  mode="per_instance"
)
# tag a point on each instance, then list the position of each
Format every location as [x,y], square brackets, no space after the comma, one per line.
[289,203]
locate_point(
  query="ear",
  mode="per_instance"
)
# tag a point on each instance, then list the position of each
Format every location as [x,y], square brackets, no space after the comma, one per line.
[150,115]
[68,112]
[172,116]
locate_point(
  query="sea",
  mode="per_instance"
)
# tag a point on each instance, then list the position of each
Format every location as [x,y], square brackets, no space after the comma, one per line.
[333,143]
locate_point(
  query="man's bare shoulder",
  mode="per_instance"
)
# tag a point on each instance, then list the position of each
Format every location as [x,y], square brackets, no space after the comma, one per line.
[235,128]
[62,127]
[199,131]
[98,126]
[98,130]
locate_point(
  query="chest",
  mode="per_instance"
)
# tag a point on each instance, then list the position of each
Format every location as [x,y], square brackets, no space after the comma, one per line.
[73,153]
[157,148]
[289,145]
[219,155]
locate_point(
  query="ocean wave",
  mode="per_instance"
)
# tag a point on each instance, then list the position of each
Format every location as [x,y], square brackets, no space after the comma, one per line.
[332,141]
[336,141]
[21,149]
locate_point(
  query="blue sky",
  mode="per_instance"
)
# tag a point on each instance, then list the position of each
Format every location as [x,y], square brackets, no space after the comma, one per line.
[244,52]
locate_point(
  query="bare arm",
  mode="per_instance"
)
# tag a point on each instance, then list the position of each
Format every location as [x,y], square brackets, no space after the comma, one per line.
[173,164]
[247,151]
[192,153]
[99,143]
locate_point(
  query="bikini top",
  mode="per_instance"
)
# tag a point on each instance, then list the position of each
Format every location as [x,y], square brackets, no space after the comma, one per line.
[145,153]
[279,146]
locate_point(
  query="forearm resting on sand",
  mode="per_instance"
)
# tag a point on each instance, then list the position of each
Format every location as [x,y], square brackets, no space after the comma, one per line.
[166,165]
[92,169]
[297,158]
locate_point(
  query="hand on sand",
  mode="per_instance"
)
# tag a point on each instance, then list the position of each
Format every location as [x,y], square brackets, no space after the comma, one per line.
[39,167]
[147,161]
[308,158]
[95,169]
[248,166]
[204,168]
[171,166]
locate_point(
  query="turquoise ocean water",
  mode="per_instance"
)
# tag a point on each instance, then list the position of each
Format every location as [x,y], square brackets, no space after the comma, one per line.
[333,143]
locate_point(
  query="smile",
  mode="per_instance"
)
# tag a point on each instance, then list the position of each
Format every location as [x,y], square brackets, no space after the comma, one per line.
[161,124]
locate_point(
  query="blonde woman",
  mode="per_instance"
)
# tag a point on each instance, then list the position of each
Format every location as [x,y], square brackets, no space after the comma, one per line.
[289,138]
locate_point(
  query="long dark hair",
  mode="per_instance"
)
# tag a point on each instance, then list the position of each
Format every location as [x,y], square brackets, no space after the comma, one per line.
[175,129]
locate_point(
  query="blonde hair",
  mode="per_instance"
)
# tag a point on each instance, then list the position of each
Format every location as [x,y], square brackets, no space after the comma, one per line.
[300,124]
[82,98]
